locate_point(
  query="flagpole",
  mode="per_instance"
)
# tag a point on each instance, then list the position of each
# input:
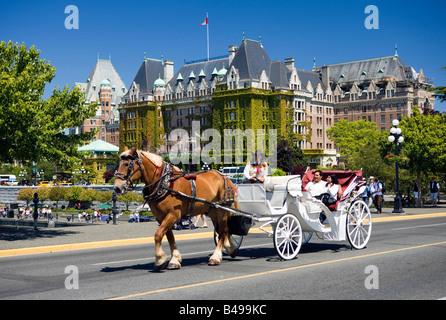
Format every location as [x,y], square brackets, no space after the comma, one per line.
[207,29]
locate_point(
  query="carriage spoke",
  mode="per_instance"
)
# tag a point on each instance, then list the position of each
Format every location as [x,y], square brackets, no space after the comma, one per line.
[359,225]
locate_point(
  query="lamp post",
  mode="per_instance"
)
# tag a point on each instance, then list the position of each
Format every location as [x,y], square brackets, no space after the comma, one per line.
[397,138]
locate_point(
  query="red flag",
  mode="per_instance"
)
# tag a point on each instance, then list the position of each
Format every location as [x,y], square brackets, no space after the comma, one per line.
[204,23]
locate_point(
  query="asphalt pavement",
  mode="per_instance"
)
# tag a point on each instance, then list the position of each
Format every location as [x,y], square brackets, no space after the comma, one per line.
[102,232]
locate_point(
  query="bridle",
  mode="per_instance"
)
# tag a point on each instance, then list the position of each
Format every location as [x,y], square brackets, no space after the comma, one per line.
[132,159]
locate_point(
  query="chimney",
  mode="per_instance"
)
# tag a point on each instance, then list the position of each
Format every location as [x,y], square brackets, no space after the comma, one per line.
[168,70]
[289,62]
[232,51]
[325,75]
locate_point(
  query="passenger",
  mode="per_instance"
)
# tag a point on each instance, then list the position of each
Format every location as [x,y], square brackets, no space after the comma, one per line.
[317,186]
[258,170]
[333,189]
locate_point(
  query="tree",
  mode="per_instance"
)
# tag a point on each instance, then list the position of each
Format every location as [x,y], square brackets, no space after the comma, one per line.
[424,144]
[289,154]
[130,197]
[359,142]
[57,194]
[109,174]
[440,92]
[26,194]
[31,128]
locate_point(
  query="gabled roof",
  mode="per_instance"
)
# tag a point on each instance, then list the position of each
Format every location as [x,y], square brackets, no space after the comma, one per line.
[103,70]
[250,60]
[200,68]
[312,76]
[278,75]
[149,71]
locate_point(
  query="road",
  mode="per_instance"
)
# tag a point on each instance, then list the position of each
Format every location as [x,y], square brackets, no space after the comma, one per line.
[404,260]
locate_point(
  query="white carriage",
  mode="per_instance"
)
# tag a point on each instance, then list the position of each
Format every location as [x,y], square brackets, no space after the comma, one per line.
[286,211]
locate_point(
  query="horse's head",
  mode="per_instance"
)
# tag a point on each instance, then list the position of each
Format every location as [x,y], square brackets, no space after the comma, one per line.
[129,170]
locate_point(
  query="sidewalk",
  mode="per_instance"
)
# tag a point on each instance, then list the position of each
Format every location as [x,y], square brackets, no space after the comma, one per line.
[11,238]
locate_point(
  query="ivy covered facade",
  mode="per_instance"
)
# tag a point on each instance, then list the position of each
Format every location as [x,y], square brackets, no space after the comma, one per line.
[245,90]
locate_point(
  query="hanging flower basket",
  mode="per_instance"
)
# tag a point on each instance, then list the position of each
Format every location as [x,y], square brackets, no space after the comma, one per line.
[393,158]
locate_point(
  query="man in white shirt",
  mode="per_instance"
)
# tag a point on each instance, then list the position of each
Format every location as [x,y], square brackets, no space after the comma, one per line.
[317,186]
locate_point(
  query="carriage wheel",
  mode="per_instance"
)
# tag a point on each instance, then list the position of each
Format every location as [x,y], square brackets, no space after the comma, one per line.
[237,240]
[288,236]
[359,224]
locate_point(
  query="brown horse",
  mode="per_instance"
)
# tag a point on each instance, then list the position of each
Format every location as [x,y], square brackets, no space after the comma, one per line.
[163,189]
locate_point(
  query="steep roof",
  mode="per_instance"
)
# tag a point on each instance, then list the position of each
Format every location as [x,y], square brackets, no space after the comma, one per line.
[103,70]
[312,76]
[367,70]
[149,71]
[251,59]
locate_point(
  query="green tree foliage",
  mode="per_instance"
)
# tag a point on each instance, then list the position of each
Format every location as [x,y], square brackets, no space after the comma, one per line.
[440,92]
[30,127]
[130,197]
[424,144]
[57,194]
[26,194]
[289,154]
[359,143]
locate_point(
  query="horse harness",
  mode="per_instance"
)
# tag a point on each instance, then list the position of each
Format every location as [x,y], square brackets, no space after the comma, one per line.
[164,184]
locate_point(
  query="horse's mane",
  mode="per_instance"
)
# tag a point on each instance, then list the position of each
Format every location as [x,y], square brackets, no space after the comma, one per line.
[154,158]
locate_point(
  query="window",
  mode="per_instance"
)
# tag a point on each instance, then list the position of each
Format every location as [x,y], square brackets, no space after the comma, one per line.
[383,119]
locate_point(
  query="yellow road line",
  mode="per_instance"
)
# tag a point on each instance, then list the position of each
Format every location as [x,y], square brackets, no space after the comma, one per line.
[96,244]
[409,217]
[188,236]
[130,296]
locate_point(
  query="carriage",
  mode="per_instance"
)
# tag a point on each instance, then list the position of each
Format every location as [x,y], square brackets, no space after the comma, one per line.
[284,204]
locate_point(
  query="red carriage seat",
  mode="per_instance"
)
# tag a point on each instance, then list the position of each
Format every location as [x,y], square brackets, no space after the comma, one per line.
[345,178]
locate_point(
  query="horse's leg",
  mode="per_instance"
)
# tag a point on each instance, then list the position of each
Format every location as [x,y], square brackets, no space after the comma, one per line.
[165,228]
[160,255]
[175,261]
[223,233]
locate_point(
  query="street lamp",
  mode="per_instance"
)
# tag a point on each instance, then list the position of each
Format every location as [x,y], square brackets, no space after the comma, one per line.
[397,138]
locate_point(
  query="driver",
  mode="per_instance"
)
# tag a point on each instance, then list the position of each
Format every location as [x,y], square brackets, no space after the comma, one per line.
[256,171]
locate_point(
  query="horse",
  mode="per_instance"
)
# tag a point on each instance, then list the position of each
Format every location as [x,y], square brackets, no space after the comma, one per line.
[171,195]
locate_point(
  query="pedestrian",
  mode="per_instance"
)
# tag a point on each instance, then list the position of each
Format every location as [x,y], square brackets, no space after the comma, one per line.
[415,190]
[376,192]
[434,188]
[136,216]
[131,217]
[203,217]
[79,216]
[366,193]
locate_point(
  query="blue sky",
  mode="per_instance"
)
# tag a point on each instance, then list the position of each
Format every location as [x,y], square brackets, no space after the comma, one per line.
[331,31]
